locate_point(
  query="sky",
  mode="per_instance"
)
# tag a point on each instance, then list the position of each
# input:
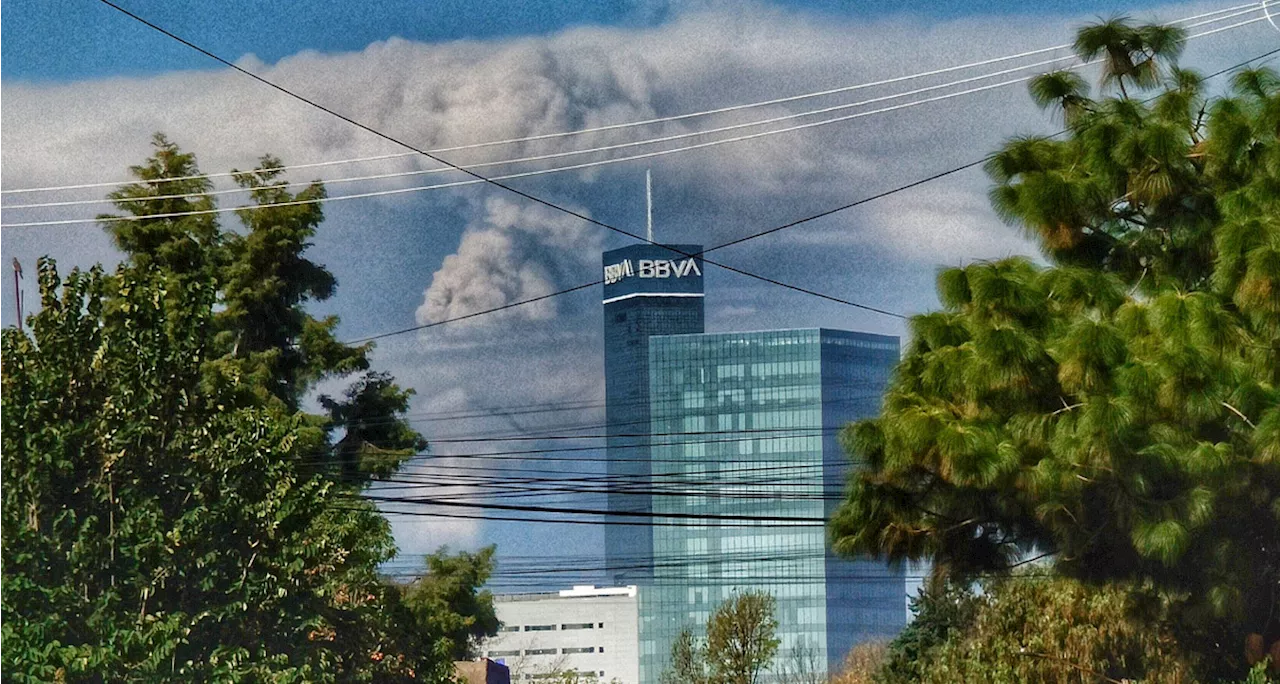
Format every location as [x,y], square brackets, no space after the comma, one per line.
[83,88]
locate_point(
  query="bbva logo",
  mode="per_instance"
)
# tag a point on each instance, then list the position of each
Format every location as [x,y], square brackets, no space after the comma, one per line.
[651,268]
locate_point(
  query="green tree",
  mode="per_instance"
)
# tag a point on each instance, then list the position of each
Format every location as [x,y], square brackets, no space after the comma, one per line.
[688,664]
[266,339]
[1119,409]
[741,643]
[1051,631]
[449,604]
[168,183]
[268,280]
[376,441]
[943,610]
[741,638]
[1129,52]
[155,530]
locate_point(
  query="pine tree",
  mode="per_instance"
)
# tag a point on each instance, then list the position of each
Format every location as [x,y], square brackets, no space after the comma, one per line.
[1118,410]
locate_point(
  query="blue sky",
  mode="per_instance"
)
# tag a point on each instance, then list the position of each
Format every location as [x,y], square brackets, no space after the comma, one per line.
[84,87]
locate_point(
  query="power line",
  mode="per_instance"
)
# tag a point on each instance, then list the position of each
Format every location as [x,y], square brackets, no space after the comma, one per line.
[468,168]
[572,167]
[480,178]
[886,193]
[533,198]
[1248,7]
[561,154]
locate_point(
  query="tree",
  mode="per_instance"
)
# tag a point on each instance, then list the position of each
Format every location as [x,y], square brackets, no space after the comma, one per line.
[741,639]
[1119,410]
[448,603]
[862,663]
[168,183]
[802,664]
[1129,52]
[153,528]
[1028,628]
[266,339]
[740,644]
[943,610]
[688,664]
[372,443]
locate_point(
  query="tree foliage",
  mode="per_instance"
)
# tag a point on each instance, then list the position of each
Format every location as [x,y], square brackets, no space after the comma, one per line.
[740,644]
[164,514]
[267,343]
[1119,409]
[688,664]
[943,610]
[1043,631]
[152,528]
[448,601]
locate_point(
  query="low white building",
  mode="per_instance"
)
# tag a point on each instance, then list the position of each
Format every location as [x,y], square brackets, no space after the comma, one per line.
[586,629]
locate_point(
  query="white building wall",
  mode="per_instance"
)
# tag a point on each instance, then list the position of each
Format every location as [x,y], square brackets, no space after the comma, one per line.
[586,629]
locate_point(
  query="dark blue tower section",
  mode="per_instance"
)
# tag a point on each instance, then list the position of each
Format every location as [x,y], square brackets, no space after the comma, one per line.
[648,290]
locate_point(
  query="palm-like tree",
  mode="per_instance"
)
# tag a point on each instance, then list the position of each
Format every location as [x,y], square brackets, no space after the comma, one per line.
[1129,52]
[1135,435]
[1065,91]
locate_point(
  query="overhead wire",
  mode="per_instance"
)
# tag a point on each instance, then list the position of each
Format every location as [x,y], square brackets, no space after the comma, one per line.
[865,200]
[468,168]
[496,181]
[1247,7]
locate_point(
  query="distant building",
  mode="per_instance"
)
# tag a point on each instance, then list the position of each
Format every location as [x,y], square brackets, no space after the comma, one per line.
[754,418]
[648,290]
[586,629]
[482,671]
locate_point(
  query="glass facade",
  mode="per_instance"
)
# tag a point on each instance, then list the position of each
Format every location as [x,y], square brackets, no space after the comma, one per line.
[765,408]
[640,300]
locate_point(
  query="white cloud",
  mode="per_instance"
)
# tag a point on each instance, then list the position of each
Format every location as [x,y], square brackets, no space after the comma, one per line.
[953,225]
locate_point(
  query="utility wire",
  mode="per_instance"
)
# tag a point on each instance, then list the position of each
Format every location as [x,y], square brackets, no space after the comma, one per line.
[537,172]
[1230,12]
[562,154]
[886,193]
[520,193]
[480,178]
[557,155]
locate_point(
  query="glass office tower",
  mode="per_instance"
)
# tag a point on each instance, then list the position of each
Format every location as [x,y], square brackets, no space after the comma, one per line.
[759,413]
[648,290]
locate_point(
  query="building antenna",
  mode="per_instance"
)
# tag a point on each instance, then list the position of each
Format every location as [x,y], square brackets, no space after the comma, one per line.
[17,289]
[648,205]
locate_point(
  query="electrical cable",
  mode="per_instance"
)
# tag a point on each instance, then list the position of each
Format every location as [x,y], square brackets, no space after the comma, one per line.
[1247,7]
[554,155]
[480,178]
[895,190]
[551,155]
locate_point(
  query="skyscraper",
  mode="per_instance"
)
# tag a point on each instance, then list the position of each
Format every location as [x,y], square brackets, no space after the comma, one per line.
[648,290]
[766,407]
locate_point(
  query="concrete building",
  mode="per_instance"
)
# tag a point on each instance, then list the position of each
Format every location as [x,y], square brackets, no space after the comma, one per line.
[648,290]
[766,408]
[586,629]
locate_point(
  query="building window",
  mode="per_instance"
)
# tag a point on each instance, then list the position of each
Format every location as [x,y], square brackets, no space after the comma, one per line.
[539,628]
[578,625]
[502,654]
[539,651]
[509,628]
[579,649]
